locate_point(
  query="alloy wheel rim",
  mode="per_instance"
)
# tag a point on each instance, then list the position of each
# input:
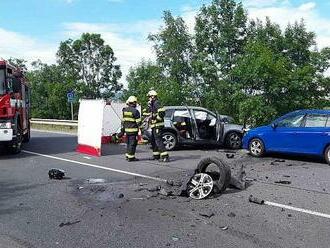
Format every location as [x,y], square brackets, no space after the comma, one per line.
[235,140]
[256,147]
[200,186]
[168,141]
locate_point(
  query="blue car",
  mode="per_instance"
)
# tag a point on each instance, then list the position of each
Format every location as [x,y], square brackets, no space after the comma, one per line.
[299,132]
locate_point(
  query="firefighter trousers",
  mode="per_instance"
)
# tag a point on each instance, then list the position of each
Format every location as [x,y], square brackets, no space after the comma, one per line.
[157,144]
[132,141]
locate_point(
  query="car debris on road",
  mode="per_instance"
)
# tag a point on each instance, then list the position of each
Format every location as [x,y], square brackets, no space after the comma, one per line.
[56,174]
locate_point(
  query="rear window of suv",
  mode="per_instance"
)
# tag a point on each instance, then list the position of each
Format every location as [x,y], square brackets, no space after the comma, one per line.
[316,121]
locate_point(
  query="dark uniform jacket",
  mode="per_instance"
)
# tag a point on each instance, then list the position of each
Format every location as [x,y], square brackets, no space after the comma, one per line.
[131,120]
[157,113]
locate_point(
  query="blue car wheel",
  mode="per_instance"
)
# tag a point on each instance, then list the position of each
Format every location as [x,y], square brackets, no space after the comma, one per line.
[256,148]
[327,154]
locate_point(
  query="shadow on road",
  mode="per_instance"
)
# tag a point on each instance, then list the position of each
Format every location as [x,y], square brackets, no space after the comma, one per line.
[297,157]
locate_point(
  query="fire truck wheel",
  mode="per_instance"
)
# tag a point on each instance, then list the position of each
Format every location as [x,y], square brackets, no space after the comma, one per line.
[26,137]
[16,147]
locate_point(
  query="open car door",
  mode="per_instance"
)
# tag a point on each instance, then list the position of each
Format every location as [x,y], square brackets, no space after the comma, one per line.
[219,128]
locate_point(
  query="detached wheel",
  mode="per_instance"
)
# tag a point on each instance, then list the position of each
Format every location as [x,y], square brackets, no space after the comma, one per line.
[233,140]
[327,154]
[256,148]
[200,186]
[218,170]
[169,140]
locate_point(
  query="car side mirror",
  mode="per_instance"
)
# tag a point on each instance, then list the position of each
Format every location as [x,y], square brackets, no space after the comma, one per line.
[274,125]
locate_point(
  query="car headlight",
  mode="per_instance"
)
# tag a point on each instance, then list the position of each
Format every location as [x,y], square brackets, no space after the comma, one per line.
[5,125]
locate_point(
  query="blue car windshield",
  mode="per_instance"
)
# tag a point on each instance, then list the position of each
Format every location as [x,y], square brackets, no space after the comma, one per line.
[2,81]
[291,121]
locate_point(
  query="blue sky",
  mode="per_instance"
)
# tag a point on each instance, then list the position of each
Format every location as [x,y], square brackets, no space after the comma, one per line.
[32,29]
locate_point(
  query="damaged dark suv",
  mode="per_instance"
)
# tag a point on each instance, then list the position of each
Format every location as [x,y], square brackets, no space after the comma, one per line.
[197,126]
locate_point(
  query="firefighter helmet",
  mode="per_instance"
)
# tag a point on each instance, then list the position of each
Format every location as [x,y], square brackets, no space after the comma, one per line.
[152,93]
[131,99]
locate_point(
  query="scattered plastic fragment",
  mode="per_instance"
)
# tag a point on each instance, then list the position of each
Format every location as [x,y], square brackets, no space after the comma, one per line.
[175,238]
[283,182]
[207,214]
[256,200]
[230,155]
[96,180]
[56,173]
[68,223]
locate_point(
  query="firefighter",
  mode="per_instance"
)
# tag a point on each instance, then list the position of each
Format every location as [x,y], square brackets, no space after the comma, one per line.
[131,123]
[157,114]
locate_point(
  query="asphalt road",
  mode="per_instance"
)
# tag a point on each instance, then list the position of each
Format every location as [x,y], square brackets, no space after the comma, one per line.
[38,212]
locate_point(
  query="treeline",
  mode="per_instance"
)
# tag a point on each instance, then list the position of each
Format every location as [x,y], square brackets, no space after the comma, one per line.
[86,66]
[249,69]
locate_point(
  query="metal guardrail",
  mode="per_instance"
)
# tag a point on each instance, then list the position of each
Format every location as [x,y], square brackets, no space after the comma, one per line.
[54,122]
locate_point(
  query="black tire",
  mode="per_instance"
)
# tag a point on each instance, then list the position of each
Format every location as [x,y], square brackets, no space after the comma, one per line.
[170,141]
[256,148]
[327,154]
[233,140]
[221,178]
[16,146]
[27,136]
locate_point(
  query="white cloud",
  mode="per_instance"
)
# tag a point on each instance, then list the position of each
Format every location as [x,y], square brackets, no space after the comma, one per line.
[129,41]
[261,3]
[307,6]
[21,46]
[283,14]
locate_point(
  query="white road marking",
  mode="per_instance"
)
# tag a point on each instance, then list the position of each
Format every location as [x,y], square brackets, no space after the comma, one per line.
[164,180]
[97,166]
[297,209]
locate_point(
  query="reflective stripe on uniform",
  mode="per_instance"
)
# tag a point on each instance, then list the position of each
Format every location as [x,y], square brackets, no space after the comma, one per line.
[129,114]
[131,130]
[164,154]
[159,118]
[161,110]
[130,156]
[129,119]
[138,120]
[159,124]
[156,153]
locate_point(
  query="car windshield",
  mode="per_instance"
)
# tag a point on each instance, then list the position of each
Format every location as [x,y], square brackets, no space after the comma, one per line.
[291,121]
[2,81]
[227,119]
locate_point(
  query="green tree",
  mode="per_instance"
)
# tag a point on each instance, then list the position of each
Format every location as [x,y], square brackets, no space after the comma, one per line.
[49,87]
[221,34]
[281,72]
[174,53]
[20,63]
[92,63]
[141,79]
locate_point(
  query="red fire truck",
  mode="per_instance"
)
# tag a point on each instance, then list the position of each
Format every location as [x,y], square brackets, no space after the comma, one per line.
[14,108]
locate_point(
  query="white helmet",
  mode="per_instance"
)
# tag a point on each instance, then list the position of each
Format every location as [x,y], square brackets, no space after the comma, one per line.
[152,93]
[131,99]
